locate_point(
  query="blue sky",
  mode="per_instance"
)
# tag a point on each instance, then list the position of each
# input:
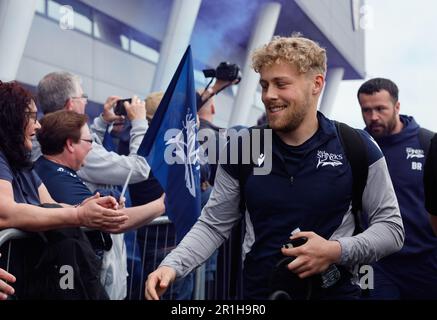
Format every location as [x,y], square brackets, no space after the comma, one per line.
[401,44]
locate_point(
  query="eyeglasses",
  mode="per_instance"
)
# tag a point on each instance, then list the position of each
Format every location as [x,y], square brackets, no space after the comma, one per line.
[32,115]
[87,140]
[83,96]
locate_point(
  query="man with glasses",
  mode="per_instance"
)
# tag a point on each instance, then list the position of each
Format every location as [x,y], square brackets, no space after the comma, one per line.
[83,98]
[102,169]
[76,103]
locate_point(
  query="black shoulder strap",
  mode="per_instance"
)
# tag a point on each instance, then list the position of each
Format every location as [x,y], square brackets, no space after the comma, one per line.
[245,170]
[356,153]
[425,137]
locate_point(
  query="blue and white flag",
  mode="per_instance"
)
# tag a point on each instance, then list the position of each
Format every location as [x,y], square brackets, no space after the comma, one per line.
[171,148]
[107,142]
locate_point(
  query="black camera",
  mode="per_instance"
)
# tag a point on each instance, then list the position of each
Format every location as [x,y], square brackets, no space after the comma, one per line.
[286,285]
[225,71]
[119,109]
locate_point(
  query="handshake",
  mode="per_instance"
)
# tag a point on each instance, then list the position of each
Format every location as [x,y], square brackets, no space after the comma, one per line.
[106,214]
[101,213]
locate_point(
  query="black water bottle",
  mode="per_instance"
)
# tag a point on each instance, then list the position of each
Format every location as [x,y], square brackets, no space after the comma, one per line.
[331,275]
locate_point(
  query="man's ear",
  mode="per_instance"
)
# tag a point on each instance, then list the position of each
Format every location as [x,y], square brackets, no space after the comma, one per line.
[212,108]
[69,145]
[318,83]
[397,107]
[68,105]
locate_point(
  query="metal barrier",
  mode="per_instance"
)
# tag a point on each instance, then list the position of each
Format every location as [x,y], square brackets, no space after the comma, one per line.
[217,279]
[154,242]
[11,234]
[147,247]
[225,281]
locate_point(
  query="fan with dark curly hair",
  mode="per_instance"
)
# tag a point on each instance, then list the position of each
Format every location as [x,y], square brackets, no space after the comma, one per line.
[26,204]
[17,106]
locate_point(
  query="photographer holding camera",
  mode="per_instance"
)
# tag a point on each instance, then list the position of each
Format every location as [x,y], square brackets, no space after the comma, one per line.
[226,74]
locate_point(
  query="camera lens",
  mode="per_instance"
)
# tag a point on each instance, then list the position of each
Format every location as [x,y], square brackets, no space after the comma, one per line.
[119,109]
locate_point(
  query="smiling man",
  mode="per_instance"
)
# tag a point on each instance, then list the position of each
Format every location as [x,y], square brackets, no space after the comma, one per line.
[412,272]
[298,193]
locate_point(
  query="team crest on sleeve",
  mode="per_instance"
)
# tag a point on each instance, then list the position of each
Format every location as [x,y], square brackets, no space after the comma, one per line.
[328,159]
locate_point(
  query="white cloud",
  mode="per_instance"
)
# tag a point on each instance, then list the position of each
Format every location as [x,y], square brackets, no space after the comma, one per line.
[400,46]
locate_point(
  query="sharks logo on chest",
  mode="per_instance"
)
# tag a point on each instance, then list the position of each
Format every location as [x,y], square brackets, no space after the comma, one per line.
[328,159]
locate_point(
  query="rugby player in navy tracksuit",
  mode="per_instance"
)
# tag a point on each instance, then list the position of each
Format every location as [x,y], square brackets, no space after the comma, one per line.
[410,273]
[309,187]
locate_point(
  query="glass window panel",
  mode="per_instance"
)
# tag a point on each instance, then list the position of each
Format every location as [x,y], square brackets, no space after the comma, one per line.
[97,31]
[144,51]
[110,30]
[53,9]
[41,6]
[145,39]
[82,23]
[124,42]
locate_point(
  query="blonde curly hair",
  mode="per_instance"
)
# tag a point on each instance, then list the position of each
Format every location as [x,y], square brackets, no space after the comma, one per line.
[303,53]
[152,103]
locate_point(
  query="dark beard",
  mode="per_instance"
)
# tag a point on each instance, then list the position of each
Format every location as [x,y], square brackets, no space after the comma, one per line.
[391,125]
[389,128]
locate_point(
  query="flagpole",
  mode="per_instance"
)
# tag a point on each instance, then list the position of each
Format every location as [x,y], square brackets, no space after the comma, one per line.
[126,183]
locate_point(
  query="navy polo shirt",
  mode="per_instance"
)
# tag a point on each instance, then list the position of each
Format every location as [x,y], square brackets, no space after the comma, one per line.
[62,182]
[65,186]
[25,182]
